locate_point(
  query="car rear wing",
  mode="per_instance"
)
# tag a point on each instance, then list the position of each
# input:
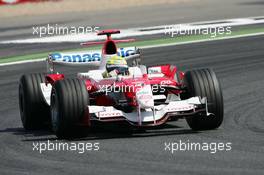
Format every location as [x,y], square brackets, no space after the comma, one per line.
[108,33]
[92,43]
[86,58]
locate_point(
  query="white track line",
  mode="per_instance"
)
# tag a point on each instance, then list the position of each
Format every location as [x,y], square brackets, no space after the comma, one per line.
[151,46]
[141,31]
[22,62]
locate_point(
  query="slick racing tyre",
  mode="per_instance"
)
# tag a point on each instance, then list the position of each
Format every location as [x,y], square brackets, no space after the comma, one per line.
[69,100]
[34,111]
[204,83]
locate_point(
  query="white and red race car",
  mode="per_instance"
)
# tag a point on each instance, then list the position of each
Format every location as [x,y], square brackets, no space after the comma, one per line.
[146,97]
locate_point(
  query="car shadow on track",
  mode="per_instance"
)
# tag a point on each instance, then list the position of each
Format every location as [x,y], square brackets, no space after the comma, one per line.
[102,133]
[20,131]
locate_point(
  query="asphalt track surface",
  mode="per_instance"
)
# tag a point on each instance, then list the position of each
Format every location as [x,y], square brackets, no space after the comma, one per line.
[239,64]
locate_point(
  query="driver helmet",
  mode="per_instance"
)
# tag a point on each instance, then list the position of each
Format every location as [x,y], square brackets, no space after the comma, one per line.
[118,64]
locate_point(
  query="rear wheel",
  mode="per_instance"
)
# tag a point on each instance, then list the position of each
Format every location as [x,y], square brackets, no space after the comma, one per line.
[69,101]
[34,111]
[204,83]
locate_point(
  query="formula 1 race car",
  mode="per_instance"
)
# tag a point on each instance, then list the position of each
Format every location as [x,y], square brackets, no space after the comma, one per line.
[145,97]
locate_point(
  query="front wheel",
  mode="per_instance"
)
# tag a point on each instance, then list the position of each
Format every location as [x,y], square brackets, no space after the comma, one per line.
[69,101]
[204,83]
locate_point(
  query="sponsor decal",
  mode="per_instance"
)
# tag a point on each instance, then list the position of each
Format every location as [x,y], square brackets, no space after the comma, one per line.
[110,114]
[143,92]
[163,82]
[79,57]
[180,108]
[145,97]
[89,88]
[153,70]
[91,56]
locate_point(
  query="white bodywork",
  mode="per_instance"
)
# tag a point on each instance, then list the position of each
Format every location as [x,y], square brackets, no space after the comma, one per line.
[46,92]
[148,114]
[95,75]
[145,97]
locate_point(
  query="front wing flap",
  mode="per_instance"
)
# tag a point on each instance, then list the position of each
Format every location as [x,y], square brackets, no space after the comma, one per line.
[151,116]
